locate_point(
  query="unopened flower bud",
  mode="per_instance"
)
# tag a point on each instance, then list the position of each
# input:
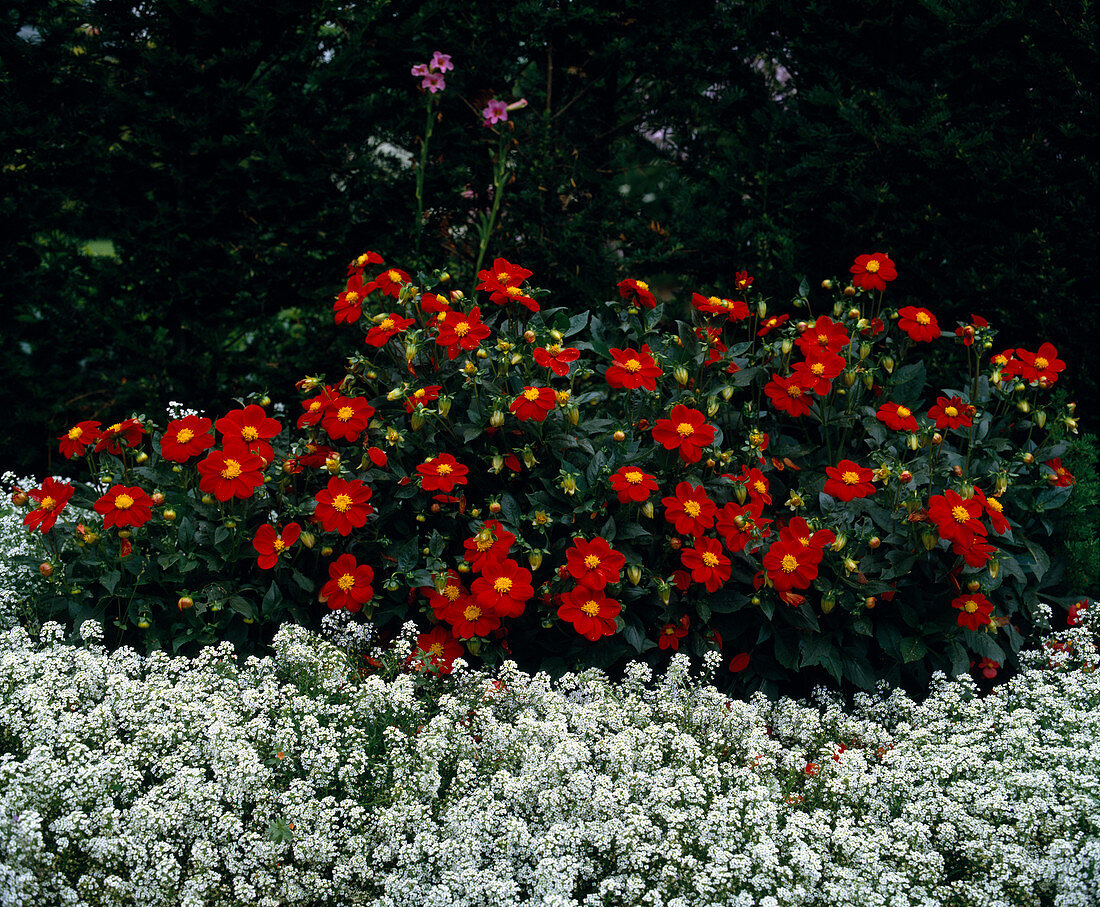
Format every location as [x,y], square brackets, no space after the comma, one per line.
[839,542]
[712,405]
[664,592]
[838,307]
[740,492]
[681,375]
[573,414]
[443,404]
[416,420]
[826,284]
[849,290]
[928,539]
[534,558]
[555,335]
[994,568]
[496,419]
[529,336]
[332,464]
[888,364]
[497,464]
[828,602]
[528,457]
[634,574]
[569,484]
[851,565]
[727,392]
[905,477]
[308,539]
[867,379]
[913,441]
[469,368]
[1071,425]
[937,439]
[864,350]
[516,359]
[761,310]
[647,510]
[849,377]
[1023,406]
[786,345]
[396,394]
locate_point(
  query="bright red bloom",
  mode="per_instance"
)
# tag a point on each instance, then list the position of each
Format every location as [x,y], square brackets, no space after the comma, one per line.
[994,510]
[77,438]
[847,481]
[501,275]
[633,369]
[976,553]
[770,323]
[316,408]
[1073,619]
[52,498]
[446,604]
[251,427]
[956,518]
[897,417]
[556,358]
[818,371]
[691,512]
[358,264]
[441,473]
[186,438]
[633,485]
[873,272]
[346,418]
[952,413]
[974,610]
[390,282]
[593,563]
[124,506]
[797,533]
[754,481]
[671,634]
[790,565]
[823,334]
[707,563]
[739,662]
[742,526]
[504,588]
[1042,366]
[431,304]
[966,332]
[231,473]
[686,430]
[436,650]
[789,395]
[390,326]
[590,612]
[269,543]
[731,309]
[1060,477]
[918,323]
[461,331]
[377,457]
[342,505]
[128,432]
[637,292]
[349,305]
[349,586]
[473,619]
[534,403]
[743,281]
[492,543]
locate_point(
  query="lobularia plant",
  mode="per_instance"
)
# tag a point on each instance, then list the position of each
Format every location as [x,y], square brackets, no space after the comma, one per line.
[151,780]
[583,488]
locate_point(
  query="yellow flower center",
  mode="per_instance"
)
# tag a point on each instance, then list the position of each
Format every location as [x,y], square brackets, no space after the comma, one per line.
[591,561]
[994,504]
[184,435]
[124,502]
[395,276]
[715,301]
[420,394]
[1041,363]
[710,558]
[462,329]
[250,433]
[789,563]
[514,292]
[387,324]
[970,606]
[436,648]
[760,486]
[950,411]
[633,476]
[872,266]
[641,284]
[632,365]
[231,469]
[342,503]
[591,608]
[905,412]
[346,581]
[804,541]
[502,584]
[472,612]
[692,508]
[345,413]
[280,546]
[352,297]
[502,276]
[923,318]
[116,427]
[484,544]
[793,390]
[553,349]
[851,478]
[960,514]
[444,469]
[685,429]
[531,394]
[822,339]
[314,406]
[75,433]
[451,592]
[48,503]
[818,368]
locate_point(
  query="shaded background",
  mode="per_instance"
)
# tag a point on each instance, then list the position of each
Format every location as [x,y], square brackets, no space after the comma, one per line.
[182,183]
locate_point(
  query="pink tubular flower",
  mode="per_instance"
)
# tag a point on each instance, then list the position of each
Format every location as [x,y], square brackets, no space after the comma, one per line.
[495,112]
[420,70]
[441,62]
[434,82]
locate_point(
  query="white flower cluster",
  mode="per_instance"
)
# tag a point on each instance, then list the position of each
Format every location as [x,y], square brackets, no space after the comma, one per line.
[168,781]
[16,543]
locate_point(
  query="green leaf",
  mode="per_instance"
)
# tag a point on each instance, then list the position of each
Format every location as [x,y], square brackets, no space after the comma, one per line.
[913,649]
[407,554]
[909,381]
[110,580]
[509,509]
[245,608]
[272,598]
[1042,562]
[817,650]
[857,669]
[576,324]
[221,535]
[982,643]
[436,544]
[302,581]
[786,651]
[633,634]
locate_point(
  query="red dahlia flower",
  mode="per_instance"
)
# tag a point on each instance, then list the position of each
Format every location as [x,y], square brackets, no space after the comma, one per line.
[873,272]
[77,438]
[316,408]
[956,518]
[637,292]
[770,323]
[974,610]
[742,526]
[186,438]
[342,505]
[918,323]
[743,281]
[976,552]
[251,427]
[590,612]
[390,326]
[994,510]
[1060,477]
[632,485]
[789,395]
[492,543]
[952,413]
[501,275]
[708,565]
[847,481]
[390,282]
[671,634]
[436,650]
[813,544]
[358,264]
[124,506]
[1042,366]
[349,586]
[127,432]
[349,304]
[823,334]
[790,566]
[473,619]
[754,481]
[966,332]
[52,498]
[460,331]
[441,473]
[534,403]
[423,395]
[691,512]
[269,543]
[897,417]
[346,418]
[632,369]
[504,588]
[818,371]
[453,596]
[731,309]
[556,358]
[686,430]
[593,563]
[230,473]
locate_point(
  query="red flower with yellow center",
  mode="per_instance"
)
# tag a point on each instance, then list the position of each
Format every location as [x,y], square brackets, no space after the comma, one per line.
[442,473]
[897,417]
[501,275]
[422,395]
[504,588]
[459,331]
[77,438]
[590,612]
[349,585]
[230,473]
[124,506]
[873,272]
[957,519]
[918,323]
[473,619]
[788,395]
[435,650]
[452,596]
[1059,477]
[789,565]
[346,418]
[391,281]
[359,263]
[128,432]
[818,371]
[633,369]
[593,563]
[492,543]
[708,565]
[316,408]
[731,309]
[742,525]
[556,358]
[847,481]
[686,431]
[671,634]
[770,323]
[186,438]
[797,534]
[390,326]
[974,610]
[349,304]
[251,427]
[994,510]
[534,403]
[823,334]
[632,485]
[51,499]
[691,512]
[952,413]
[1043,366]
[270,543]
[637,292]
[755,483]
[342,505]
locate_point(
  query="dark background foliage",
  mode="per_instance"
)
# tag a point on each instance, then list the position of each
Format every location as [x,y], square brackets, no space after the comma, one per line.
[181,183]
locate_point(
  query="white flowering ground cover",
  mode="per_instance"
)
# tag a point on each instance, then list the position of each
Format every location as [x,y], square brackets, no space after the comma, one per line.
[137,780]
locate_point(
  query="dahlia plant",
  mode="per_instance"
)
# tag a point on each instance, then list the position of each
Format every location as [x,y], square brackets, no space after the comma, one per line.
[590,487]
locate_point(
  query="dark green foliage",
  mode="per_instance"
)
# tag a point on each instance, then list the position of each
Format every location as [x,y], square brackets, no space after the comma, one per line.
[1081,519]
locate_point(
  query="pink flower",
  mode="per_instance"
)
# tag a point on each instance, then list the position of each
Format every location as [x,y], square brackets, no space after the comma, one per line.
[420,70]
[441,62]
[496,111]
[434,82]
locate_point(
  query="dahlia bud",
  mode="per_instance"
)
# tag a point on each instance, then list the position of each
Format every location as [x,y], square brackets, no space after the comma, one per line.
[569,484]
[867,379]
[529,336]
[634,574]
[664,591]
[1071,425]
[416,420]
[469,368]
[826,284]
[534,558]
[498,464]
[786,345]
[849,290]
[681,375]
[647,510]
[727,392]
[849,377]
[712,405]
[761,310]
[905,477]
[928,539]
[332,463]
[913,441]
[828,602]
[854,314]
[528,456]
[937,439]
[308,539]
[555,335]
[740,492]
[851,565]
[516,359]
[839,542]
[838,307]
[1000,483]
[573,414]
[496,419]
[1023,406]
[396,394]
[888,364]
[994,568]
[141,458]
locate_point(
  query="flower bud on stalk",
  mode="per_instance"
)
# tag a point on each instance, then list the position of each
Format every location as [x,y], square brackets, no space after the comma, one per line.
[534,558]
[727,392]
[573,414]
[849,377]
[994,568]
[888,364]
[839,542]
[664,591]
[443,404]
[681,375]
[786,345]
[528,457]
[740,492]
[913,441]
[851,565]
[867,379]
[928,539]
[761,310]
[1041,418]
[634,574]
[516,359]
[569,484]
[416,420]
[308,539]
[1023,406]
[647,510]
[1071,425]
[712,405]
[498,464]
[838,307]
[496,419]
[828,602]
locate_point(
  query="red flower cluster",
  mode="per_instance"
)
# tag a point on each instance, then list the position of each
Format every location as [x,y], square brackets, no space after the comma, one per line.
[633,369]
[686,431]
[75,441]
[502,283]
[637,292]
[124,506]
[873,272]
[342,505]
[52,498]
[632,485]
[594,565]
